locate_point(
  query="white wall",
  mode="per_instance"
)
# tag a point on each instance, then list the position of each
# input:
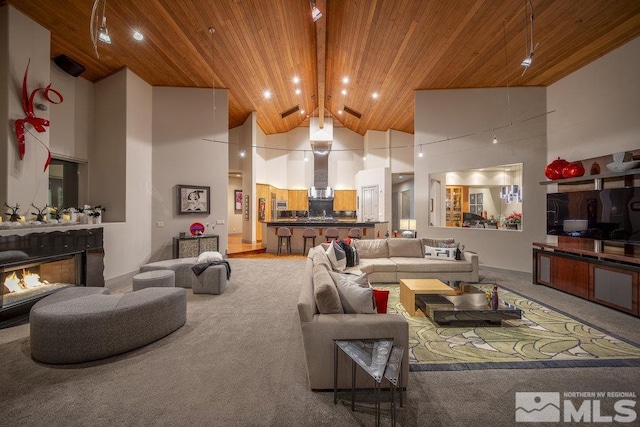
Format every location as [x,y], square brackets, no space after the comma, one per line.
[376,148]
[183,153]
[597,108]
[286,168]
[402,151]
[108,152]
[72,120]
[23,181]
[443,114]
[127,241]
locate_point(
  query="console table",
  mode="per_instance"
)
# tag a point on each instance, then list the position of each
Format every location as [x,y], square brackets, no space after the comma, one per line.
[609,277]
[192,246]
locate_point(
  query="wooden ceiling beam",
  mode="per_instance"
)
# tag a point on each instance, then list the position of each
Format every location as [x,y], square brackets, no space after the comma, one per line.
[321,53]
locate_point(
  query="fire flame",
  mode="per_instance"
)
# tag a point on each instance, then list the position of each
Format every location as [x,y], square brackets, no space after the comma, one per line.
[28,280]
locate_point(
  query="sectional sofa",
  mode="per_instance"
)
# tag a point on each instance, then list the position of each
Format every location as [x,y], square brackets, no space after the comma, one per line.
[320,330]
[391,260]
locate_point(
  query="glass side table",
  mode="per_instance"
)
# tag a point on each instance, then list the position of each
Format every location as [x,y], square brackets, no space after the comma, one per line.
[379,358]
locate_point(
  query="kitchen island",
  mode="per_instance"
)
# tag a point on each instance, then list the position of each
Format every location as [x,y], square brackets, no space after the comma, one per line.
[270,239]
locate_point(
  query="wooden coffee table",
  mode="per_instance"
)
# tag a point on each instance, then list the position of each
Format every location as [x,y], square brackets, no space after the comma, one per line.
[409,288]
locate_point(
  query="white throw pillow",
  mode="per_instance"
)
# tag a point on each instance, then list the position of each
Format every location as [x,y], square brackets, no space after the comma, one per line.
[209,256]
[355,299]
[445,254]
[337,257]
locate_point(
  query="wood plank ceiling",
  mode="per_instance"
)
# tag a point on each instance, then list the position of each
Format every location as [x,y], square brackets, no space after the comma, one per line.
[391,47]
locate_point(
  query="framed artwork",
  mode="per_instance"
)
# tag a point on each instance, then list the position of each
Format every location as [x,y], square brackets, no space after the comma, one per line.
[237,196]
[479,209]
[193,199]
[479,198]
[472,198]
[262,205]
[472,209]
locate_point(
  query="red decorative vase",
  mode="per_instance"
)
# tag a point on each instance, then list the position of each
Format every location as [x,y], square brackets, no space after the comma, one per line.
[573,170]
[554,169]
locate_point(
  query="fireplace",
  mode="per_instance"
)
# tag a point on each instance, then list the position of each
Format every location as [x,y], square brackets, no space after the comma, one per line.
[38,264]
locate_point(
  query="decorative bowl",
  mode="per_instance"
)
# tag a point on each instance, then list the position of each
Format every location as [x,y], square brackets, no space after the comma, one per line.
[624,166]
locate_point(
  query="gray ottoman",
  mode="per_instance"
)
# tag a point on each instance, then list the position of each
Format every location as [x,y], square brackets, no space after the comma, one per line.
[74,326]
[212,281]
[154,279]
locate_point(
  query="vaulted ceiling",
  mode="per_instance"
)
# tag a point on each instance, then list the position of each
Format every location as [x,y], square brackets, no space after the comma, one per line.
[391,47]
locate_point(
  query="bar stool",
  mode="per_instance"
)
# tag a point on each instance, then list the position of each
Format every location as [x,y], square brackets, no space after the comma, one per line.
[284,235]
[331,233]
[355,233]
[308,233]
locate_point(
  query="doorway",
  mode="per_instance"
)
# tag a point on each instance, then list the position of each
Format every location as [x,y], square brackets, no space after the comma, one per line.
[370,203]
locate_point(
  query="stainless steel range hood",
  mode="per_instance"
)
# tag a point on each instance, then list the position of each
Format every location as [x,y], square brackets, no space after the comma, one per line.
[321,193]
[321,139]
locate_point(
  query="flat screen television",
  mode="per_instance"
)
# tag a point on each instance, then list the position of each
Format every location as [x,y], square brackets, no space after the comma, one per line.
[610,214]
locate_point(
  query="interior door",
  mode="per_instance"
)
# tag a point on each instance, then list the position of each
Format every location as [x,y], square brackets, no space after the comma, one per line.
[370,203]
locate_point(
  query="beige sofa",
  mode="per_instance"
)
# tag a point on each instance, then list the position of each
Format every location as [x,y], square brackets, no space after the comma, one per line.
[391,260]
[320,330]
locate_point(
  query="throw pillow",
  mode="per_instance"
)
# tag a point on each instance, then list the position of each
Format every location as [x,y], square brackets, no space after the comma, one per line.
[325,292]
[436,242]
[355,299]
[337,257]
[448,254]
[361,279]
[209,257]
[453,245]
[349,252]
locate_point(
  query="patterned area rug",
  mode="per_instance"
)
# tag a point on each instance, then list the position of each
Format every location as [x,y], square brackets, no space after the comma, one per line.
[543,338]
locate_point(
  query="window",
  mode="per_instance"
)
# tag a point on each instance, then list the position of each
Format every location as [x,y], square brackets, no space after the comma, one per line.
[490,197]
[63,183]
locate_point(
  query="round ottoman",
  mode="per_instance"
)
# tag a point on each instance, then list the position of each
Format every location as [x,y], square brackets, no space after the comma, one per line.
[154,279]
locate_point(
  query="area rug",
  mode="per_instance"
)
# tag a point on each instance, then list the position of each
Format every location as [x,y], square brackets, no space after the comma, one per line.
[544,337]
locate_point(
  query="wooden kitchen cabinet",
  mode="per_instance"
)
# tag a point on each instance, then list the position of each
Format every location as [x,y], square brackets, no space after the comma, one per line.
[344,200]
[298,200]
[282,194]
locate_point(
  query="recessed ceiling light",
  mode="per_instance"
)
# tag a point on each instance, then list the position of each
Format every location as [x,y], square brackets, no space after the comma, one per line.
[374,95]
[298,91]
[267,94]
[344,91]
[138,35]
[301,111]
[345,80]
[296,79]
[340,112]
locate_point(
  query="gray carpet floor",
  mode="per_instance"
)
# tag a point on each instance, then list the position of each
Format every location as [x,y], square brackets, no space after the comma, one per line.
[239,361]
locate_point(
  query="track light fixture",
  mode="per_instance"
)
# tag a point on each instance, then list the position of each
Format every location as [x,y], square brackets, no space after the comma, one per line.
[528,44]
[98,25]
[315,12]
[420,153]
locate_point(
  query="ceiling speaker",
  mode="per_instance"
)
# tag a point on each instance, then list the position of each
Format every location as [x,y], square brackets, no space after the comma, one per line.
[69,65]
